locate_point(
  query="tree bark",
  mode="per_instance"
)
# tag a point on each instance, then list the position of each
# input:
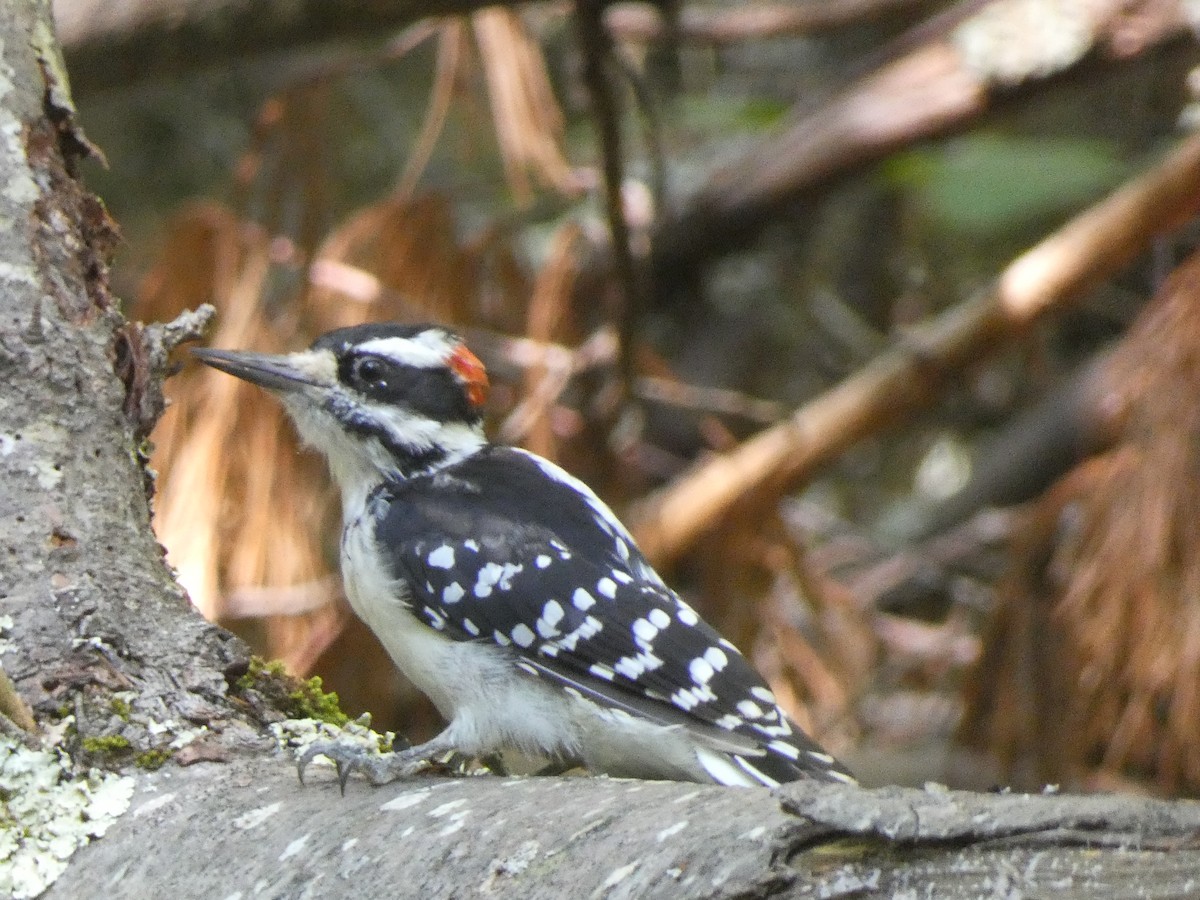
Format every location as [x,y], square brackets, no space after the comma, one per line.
[250,830]
[83,578]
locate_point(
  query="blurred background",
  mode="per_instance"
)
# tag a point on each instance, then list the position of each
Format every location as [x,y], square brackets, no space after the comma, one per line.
[742,267]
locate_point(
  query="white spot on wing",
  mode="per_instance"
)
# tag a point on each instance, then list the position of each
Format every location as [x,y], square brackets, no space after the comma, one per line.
[601,671]
[470,628]
[750,709]
[552,614]
[607,587]
[716,658]
[487,579]
[542,561]
[453,592]
[644,630]
[442,557]
[633,667]
[685,700]
[701,670]
[661,620]
[763,694]
[582,600]
[522,635]
[784,749]
[686,614]
[506,576]
[586,629]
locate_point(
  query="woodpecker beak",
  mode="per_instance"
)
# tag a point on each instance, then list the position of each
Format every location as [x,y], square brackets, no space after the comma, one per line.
[277,373]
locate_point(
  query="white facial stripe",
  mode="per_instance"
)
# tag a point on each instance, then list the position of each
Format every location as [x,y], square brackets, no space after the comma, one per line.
[414,430]
[318,365]
[427,350]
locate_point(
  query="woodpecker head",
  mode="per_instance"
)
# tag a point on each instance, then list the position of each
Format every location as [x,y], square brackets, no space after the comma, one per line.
[378,400]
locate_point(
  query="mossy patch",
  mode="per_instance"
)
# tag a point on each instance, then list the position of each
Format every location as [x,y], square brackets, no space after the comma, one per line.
[298,698]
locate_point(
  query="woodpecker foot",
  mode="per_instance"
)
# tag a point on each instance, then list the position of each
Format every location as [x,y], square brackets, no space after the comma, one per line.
[379,768]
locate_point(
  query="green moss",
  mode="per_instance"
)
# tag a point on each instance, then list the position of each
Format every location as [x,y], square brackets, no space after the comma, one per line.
[298,698]
[311,701]
[121,707]
[152,759]
[259,671]
[108,744]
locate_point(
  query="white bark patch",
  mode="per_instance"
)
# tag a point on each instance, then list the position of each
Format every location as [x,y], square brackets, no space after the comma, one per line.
[151,805]
[405,801]
[446,808]
[670,831]
[619,875]
[294,848]
[256,817]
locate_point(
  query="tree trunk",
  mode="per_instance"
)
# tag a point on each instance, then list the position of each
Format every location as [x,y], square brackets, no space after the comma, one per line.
[92,602]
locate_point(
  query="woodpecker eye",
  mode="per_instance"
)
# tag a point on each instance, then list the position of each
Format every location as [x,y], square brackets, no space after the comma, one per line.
[369,372]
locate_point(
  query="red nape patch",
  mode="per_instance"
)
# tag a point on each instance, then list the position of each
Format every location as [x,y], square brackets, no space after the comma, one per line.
[466,365]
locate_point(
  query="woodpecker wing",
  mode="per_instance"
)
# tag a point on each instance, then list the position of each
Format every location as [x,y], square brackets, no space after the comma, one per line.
[503,546]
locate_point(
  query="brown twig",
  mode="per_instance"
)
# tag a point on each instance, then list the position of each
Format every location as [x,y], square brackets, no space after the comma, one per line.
[596,47]
[696,25]
[707,399]
[1094,245]
[548,309]
[451,38]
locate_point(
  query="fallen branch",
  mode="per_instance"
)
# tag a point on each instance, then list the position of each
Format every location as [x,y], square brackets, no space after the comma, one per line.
[698,25]
[114,42]
[1094,245]
[595,837]
[938,78]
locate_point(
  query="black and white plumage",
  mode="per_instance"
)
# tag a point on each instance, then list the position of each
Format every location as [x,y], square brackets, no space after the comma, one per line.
[505,589]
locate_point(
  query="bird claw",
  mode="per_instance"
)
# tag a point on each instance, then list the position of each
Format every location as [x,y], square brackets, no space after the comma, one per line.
[347,758]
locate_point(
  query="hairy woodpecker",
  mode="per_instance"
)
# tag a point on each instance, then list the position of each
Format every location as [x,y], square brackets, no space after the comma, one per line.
[505,589]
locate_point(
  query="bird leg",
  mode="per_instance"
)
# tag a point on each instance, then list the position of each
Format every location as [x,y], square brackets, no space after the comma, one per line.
[379,768]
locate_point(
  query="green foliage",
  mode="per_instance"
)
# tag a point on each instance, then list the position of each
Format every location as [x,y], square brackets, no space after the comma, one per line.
[987,184]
